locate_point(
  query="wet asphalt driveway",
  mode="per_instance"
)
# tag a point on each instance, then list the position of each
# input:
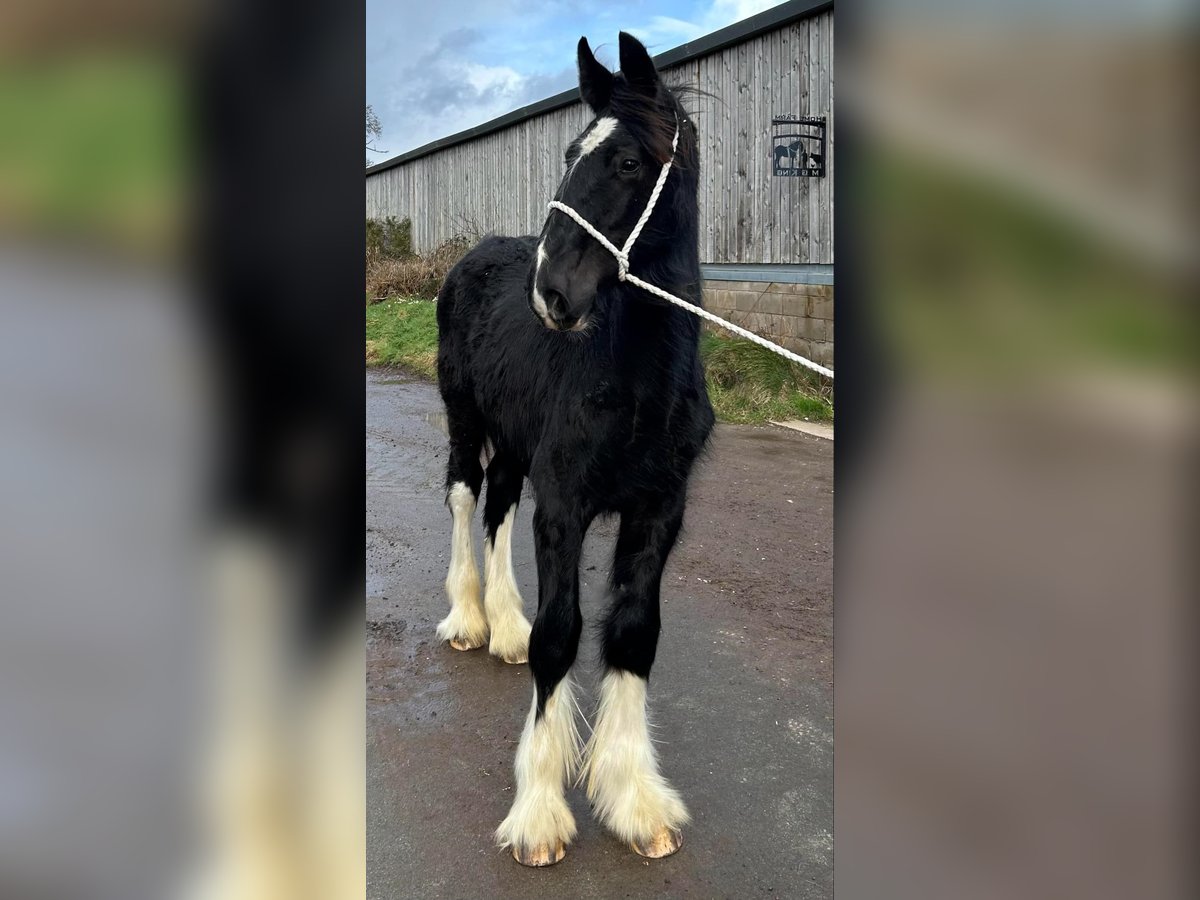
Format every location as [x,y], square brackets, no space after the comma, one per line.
[741,694]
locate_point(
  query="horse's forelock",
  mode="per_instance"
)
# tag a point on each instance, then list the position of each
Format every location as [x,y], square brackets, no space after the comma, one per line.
[653,121]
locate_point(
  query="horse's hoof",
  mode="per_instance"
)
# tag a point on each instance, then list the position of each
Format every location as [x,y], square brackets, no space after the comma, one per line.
[464,644]
[666,842]
[541,855]
[509,640]
[514,659]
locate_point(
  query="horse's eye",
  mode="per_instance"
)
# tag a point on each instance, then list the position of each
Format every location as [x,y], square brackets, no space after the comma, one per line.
[629,166]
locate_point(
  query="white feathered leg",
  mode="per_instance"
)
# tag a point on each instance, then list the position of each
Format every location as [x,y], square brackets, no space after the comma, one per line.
[628,793]
[540,824]
[502,600]
[466,627]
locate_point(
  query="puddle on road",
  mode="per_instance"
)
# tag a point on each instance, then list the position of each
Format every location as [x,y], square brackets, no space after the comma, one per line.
[411,677]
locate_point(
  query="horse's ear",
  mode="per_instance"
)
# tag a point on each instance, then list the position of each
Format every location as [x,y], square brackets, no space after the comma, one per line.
[636,64]
[595,81]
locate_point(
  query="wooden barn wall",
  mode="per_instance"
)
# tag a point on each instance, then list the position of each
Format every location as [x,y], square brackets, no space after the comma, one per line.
[501,182]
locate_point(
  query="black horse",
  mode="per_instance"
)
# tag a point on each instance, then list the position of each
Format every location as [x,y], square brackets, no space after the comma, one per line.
[594,390]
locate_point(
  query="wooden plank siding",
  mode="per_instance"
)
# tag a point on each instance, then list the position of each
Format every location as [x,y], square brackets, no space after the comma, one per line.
[500,182]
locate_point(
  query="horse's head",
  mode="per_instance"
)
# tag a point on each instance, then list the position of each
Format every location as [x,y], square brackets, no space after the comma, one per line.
[611,170]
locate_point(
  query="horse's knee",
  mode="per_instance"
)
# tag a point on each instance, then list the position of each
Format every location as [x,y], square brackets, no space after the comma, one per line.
[631,632]
[555,537]
[463,466]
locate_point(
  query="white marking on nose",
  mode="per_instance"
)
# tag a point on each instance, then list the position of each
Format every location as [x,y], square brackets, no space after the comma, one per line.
[594,138]
[539,302]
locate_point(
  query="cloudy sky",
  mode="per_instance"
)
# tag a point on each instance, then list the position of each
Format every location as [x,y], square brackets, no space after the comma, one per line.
[435,67]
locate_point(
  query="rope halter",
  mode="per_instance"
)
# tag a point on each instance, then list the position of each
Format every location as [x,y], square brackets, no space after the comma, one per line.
[622,254]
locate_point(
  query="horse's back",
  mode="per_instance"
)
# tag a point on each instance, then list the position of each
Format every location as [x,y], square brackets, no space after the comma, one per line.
[485,330]
[494,268]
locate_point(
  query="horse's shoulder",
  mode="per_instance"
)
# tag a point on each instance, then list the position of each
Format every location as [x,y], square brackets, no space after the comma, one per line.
[490,254]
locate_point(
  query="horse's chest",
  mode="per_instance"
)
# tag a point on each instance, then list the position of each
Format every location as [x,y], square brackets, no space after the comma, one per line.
[613,433]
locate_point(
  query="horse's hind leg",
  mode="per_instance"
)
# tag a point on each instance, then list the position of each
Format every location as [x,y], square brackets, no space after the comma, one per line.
[466,627]
[501,599]
[628,793]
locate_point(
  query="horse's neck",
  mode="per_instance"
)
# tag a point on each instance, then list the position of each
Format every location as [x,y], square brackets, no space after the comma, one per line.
[647,328]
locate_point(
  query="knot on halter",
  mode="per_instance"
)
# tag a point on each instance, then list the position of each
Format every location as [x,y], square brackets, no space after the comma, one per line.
[621,254]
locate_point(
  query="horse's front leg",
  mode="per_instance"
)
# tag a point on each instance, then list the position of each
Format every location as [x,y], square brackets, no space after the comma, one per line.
[540,824]
[628,793]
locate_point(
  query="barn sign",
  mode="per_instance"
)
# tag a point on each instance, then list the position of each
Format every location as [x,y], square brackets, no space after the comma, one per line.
[798,146]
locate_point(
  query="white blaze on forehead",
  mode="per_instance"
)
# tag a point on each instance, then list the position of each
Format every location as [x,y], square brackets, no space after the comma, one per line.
[599,133]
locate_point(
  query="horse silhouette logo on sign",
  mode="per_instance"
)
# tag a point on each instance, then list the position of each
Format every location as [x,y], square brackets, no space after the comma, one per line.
[798,146]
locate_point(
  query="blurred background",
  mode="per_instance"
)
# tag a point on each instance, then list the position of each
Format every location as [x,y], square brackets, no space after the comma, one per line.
[1015,534]
[181,682]
[181,450]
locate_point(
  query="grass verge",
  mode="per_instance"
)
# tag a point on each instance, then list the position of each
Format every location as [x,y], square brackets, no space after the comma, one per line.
[403,333]
[749,384]
[746,383]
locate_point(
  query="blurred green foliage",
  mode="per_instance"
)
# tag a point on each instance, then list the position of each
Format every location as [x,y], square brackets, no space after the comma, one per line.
[94,147]
[974,277]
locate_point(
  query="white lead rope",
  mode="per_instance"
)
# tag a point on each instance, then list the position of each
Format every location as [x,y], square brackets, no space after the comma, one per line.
[623,274]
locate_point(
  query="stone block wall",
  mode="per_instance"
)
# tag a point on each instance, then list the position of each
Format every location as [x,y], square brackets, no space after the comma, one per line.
[796,316]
